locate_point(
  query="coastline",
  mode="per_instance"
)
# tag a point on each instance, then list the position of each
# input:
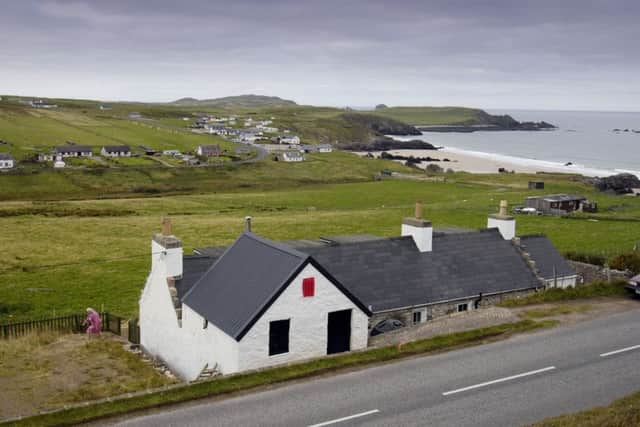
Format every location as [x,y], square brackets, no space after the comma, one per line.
[487,163]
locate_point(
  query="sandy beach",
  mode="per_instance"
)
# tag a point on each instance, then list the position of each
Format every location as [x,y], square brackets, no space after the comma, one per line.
[474,162]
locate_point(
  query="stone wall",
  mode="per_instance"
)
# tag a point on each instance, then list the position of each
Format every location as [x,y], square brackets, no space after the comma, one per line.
[436,311]
[589,273]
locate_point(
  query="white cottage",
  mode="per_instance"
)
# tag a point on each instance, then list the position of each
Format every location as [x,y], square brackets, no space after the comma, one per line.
[261,304]
[6,161]
[116,151]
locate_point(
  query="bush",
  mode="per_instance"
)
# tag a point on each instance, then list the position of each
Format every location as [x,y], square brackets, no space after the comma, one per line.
[630,261]
[433,168]
[586,258]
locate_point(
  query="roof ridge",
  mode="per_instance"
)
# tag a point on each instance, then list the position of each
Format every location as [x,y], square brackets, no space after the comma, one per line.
[282,247]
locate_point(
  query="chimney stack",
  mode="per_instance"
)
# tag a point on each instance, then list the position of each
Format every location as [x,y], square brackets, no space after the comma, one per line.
[166,249]
[166,226]
[247,221]
[505,223]
[419,228]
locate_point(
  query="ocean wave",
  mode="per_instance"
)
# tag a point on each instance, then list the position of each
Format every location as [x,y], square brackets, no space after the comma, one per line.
[543,164]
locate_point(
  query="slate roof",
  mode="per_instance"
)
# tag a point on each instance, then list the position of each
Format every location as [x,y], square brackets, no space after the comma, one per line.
[116,148]
[73,149]
[6,156]
[249,275]
[232,286]
[546,257]
[210,149]
[559,197]
[391,273]
[194,267]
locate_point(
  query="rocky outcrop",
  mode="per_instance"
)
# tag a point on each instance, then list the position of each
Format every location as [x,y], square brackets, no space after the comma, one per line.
[382,144]
[618,184]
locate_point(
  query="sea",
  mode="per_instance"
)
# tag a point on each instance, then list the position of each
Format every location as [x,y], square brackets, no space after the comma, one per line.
[586,139]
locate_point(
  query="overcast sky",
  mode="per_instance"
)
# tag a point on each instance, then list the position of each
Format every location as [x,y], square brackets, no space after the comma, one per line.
[559,54]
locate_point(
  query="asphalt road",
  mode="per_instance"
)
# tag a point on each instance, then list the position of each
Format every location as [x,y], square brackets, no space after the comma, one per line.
[507,383]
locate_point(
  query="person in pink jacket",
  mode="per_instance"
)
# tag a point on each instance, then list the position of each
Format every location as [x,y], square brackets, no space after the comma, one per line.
[93,321]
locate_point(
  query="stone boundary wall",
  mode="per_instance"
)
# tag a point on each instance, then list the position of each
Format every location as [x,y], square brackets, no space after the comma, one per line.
[436,311]
[589,273]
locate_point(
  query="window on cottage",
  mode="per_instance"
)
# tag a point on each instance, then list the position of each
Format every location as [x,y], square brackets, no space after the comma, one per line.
[308,287]
[417,317]
[278,337]
[463,307]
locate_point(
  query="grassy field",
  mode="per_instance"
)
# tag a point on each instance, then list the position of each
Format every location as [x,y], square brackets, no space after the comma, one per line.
[334,167]
[431,115]
[62,256]
[31,131]
[46,371]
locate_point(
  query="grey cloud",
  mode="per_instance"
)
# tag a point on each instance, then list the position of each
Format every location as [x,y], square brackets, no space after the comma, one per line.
[553,54]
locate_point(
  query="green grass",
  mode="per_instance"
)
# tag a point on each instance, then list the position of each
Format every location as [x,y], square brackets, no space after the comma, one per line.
[431,115]
[594,290]
[240,382]
[30,131]
[563,309]
[622,412]
[96,252]
[45,371]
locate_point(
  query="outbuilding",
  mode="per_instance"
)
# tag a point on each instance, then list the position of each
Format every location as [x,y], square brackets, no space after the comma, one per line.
[73,151]
[116,151]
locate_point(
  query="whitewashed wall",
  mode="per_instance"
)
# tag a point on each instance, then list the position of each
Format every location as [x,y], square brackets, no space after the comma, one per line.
[189,348]
[308,326]
[562,282]
[186,349]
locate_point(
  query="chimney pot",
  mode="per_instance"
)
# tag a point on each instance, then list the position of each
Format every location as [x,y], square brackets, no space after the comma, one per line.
[419,210]
[247,221]
[503,207]
[166,226]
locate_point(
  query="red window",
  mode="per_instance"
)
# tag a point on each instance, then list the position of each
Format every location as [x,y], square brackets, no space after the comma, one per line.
[308,286]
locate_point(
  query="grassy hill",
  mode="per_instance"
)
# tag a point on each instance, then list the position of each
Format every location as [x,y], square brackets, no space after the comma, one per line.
[242,101]
[434,115]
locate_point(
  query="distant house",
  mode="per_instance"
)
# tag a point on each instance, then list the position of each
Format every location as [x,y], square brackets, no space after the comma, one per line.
[243,149]
[325,148]
[211,150]
[560,204]
[536,185]
[6,161]
[135,115]
[41,103]
[148,150]
[45,157]
[105,107]
[291,156]
[58,164]
[174,153]
[290,139]
[73,151]
[116,151]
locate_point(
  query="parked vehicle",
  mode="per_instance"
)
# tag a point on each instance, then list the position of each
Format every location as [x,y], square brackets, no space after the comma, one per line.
[633,285]
[386,326]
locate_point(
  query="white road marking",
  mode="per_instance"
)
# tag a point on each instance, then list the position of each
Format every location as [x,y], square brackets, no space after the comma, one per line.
[622,350]
[500,380]
[350,417]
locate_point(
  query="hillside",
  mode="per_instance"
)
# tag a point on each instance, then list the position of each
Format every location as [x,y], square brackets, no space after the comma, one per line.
[240,101]
[456,116]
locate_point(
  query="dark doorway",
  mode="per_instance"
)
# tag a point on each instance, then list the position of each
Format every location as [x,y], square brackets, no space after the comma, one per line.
[339,332]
